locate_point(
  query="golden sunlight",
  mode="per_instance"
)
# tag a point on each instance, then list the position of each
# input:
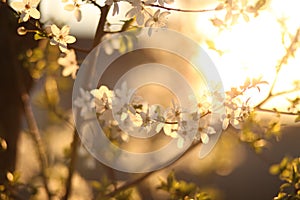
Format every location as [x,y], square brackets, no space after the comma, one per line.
[253,49]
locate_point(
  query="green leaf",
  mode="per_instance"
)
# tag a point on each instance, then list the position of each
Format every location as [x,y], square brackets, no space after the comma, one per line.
[37,36]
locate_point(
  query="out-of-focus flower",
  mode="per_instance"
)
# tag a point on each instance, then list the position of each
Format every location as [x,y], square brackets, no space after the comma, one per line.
[138,11]
[204,130]
[61,37]
[27,8]
[116,6]
[69,63]
[151,118]
[85,102]
[237,110]
[75,6]
[172,118]
[157,20]
[103,98]
[121,106]
[111,43]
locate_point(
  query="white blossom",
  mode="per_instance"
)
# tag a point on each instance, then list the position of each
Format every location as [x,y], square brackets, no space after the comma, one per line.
[103,98]
[75,6]
[69,63]
[61,37]
[137,10]
[157,20]
[85,102]
[27,8]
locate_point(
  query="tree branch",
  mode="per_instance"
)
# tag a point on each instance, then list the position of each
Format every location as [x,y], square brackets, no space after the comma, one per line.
[100,28]
[33,129]
[71,168]
[290,51]
[146,175]
[180,10]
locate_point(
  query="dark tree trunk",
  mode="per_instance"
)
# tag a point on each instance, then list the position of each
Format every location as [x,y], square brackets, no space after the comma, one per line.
[12,76]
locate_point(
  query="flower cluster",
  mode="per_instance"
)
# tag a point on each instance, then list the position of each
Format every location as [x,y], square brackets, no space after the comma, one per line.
[131,112]
[27,9]
[237,104]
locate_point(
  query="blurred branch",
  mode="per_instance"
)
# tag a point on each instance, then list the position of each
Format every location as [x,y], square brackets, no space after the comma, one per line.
[290,52]
[146,175]
[80,49]
[71,168]
[286,92]
[276,111]
[100,28]
[33,129]
[180,10]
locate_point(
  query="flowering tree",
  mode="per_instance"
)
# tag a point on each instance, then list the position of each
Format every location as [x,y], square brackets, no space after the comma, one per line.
[120,111]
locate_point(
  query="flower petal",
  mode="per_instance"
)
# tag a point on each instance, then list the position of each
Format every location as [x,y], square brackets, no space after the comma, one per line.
[17,5]
[33,12]
[34,3]
[63,47]
[65,30]
[164,14]
[70,39]
[78,14]
[69,7]
[55,30]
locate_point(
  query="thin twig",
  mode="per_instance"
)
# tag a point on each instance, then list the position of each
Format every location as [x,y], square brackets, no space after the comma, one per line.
[71,168]
[33,129]
[180,10]
[290,51]
[276,111]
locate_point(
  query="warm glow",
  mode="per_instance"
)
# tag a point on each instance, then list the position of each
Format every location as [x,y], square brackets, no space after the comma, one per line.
[254,48]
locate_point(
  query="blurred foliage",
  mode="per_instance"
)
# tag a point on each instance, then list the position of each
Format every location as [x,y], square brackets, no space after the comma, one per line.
[257,133]
[12,188]
[181,190]
[288,170]
[105,186]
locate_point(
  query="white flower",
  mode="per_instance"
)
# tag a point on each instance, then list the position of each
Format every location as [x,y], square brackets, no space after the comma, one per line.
[204,130]
[103,98]
[116,6]
[138,11]
[61,37]
[69,63]
[172,118]
[151,118]
[27,8]
[85,102]
[237,110]
[76,8]
[231,117]
[157,20]
[121,106]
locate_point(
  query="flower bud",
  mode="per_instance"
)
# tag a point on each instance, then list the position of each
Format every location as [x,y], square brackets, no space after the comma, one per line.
[22,30]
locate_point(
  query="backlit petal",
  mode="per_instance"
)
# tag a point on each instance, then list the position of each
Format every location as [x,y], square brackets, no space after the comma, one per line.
[55,30]
[33,12]
[70,39]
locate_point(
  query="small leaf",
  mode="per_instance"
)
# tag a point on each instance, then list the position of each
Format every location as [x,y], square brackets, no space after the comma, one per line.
[37,36]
